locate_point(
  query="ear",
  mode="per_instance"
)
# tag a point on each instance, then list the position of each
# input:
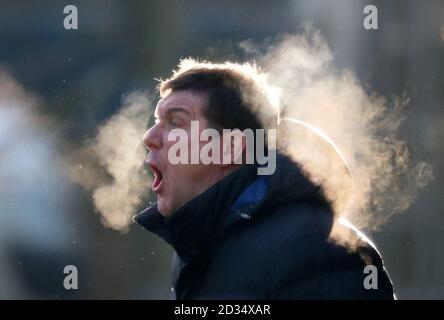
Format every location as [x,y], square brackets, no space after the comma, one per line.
[233,147]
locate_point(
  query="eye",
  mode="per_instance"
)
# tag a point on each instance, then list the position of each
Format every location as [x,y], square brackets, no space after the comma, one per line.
[174,123]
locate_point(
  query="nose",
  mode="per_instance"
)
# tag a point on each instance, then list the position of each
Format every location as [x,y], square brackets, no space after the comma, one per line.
[152,139]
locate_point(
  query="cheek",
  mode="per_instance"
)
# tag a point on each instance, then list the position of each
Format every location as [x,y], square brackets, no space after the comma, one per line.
[189,177]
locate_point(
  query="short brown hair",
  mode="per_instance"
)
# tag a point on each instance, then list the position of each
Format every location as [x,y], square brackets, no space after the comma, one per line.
[238,95]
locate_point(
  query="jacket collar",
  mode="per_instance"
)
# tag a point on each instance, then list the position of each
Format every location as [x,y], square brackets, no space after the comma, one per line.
[239,196]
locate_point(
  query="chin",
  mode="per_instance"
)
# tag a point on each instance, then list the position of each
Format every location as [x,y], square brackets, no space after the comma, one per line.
[163,208]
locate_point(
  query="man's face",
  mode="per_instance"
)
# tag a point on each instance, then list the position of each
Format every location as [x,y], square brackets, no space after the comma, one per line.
[177,184]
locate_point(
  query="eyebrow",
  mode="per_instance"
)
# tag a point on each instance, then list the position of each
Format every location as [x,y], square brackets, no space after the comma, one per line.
[172,110]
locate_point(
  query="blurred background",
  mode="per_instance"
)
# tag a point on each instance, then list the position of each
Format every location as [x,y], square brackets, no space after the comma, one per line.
[78,78]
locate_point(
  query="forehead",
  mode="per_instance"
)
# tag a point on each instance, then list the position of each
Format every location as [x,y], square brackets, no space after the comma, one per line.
[187,100]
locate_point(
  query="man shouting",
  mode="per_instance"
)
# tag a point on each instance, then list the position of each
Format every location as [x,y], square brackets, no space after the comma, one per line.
[239,232]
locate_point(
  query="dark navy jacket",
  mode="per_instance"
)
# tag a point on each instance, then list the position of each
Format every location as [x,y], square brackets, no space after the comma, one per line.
[264,237]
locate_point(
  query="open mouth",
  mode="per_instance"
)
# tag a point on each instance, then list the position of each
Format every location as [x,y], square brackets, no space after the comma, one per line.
[158,178]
